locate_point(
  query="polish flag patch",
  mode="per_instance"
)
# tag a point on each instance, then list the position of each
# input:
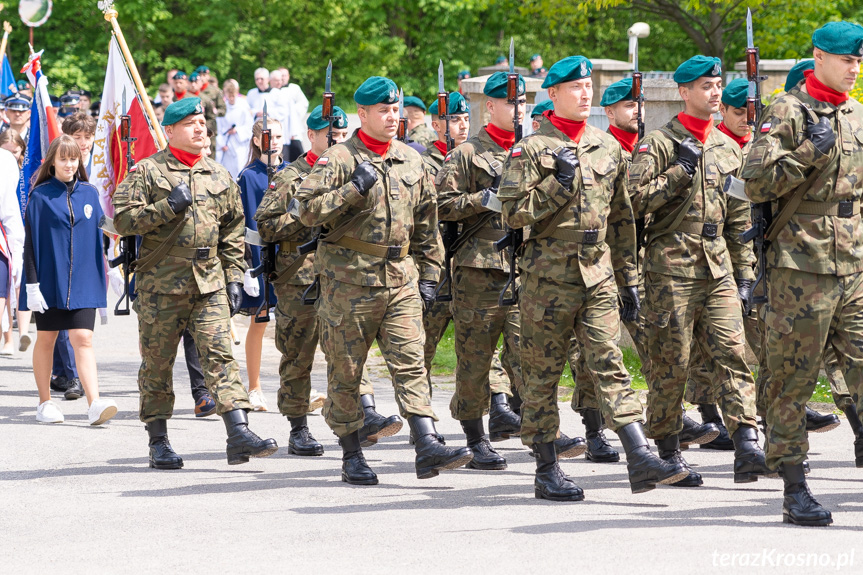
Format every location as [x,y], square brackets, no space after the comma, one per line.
[447,158]
[323,161]
[643,148]
[516,152]
[765,127]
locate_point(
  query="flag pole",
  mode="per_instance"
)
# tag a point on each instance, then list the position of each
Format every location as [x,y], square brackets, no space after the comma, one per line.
[111,16]
[7,28]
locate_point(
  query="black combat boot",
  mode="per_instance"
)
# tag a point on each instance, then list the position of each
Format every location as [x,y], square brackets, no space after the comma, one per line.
[355,470]
[694,432]
[669,450]
[749,460]
[567,447]
[857,428]
[551,483]
[376,425]
[515,402]
[710,414]
[818,423]
[162,455]
[242,441]
[799,506]
[598,448]
[302,442]
[503,422]
[645,468]
[432,454]
[484,456]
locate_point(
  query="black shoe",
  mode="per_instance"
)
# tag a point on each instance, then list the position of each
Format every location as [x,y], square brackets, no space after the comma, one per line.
[669,450]
[484,455]
[376,425]
[598,448]
[302,442]
[645,468]
[162,455]
[749,460]
[432,455]
[75,390]
[854,420]
[710,414]
[551,482]
[818,423]
[503,422]
[698,433]
[60,383]
[242,441]
[355,470]
[567,447]
[413,440]
[799,506]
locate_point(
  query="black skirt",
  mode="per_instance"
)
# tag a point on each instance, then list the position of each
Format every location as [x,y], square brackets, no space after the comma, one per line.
[62,319]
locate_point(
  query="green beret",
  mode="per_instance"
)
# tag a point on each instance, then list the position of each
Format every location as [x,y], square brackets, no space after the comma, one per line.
[795,75]
[180,109]
[567,70]
[735,93]
[535,57]
[696,67]
[179,75]
[316,120]
[202,70]
[193,77]
[540,108]
[464,74]
[620,90]
[495,86]
[415,102]
[376,90]
[843,38]
[500,60]
[457,105]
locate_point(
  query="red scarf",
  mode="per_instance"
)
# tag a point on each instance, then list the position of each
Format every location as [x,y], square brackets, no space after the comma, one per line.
[204,87]
[740,141]
[311,158]
[627,140]
[503,138]
[179,95]
[823,93]
[187,158]
[198,93]
[441,146]
[378,147]
[697,127]
[571,128]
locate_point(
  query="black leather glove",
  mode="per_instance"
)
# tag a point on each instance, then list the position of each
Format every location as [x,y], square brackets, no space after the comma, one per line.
[427,288]
[235,296]
[688,155]
[744,290]
[631,303]
[180,198]
[364,177]
[821,134]
[566,162]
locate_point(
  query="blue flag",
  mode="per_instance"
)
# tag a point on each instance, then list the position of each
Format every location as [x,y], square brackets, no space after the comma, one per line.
[7,79]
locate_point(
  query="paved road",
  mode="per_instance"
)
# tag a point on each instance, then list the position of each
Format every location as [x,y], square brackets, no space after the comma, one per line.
[78,499]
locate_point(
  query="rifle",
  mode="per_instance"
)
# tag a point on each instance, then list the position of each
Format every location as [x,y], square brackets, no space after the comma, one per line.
[267,266]
[638,96]
[449,234]
[513,238]
[402,132]
[128,245]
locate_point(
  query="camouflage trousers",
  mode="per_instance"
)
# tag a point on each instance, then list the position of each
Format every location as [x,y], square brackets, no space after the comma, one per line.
[435,322]
[162,318]
[296,340]
[680,313]
[352,318]
[479,323]
[806,314]
[550,313]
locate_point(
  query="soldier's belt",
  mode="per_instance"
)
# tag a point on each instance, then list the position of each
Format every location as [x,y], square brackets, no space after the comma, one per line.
[588,237]
[177,251]
[701,229]
[489,234]
[289,246]
[840,209]
[369,249]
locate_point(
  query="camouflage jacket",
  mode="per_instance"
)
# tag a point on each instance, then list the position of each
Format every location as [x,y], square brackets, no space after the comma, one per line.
[780,161]
[215,220]
[275,224]
[403,213]
[531,196]
[468,170]
[215,96]
[433,160]
[627,156]
[658,188]
[423,135]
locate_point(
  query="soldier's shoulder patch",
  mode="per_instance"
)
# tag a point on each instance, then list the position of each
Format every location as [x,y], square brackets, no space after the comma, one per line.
[643,148]
[133,168]
[322,161]
[448,157]
[765,127]
[516,152]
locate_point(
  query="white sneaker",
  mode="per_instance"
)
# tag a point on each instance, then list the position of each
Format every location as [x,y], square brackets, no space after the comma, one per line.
[316,400]
[24,342]
[101,411]
[256,398]
[48,412]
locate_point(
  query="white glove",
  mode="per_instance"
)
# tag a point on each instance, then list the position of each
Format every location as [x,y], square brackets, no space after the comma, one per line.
[250,284]
[35,300]
[115,278]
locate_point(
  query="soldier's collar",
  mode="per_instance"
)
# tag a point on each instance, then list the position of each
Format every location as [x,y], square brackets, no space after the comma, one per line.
[817,106]
[589,139]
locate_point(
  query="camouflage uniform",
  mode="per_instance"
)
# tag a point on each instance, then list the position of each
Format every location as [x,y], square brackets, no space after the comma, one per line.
[423,135]
[186,290]
[479,274]
[815,265]
[569,283]
[690,289]
[214,107]
[369,297]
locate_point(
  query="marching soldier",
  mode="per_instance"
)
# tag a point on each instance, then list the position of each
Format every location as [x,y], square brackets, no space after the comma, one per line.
[377,206]
[696,269]
[566,181]
[188,276]
[808,156]
[418,131]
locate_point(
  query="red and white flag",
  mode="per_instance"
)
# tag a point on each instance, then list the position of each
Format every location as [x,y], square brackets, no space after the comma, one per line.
[46,114]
